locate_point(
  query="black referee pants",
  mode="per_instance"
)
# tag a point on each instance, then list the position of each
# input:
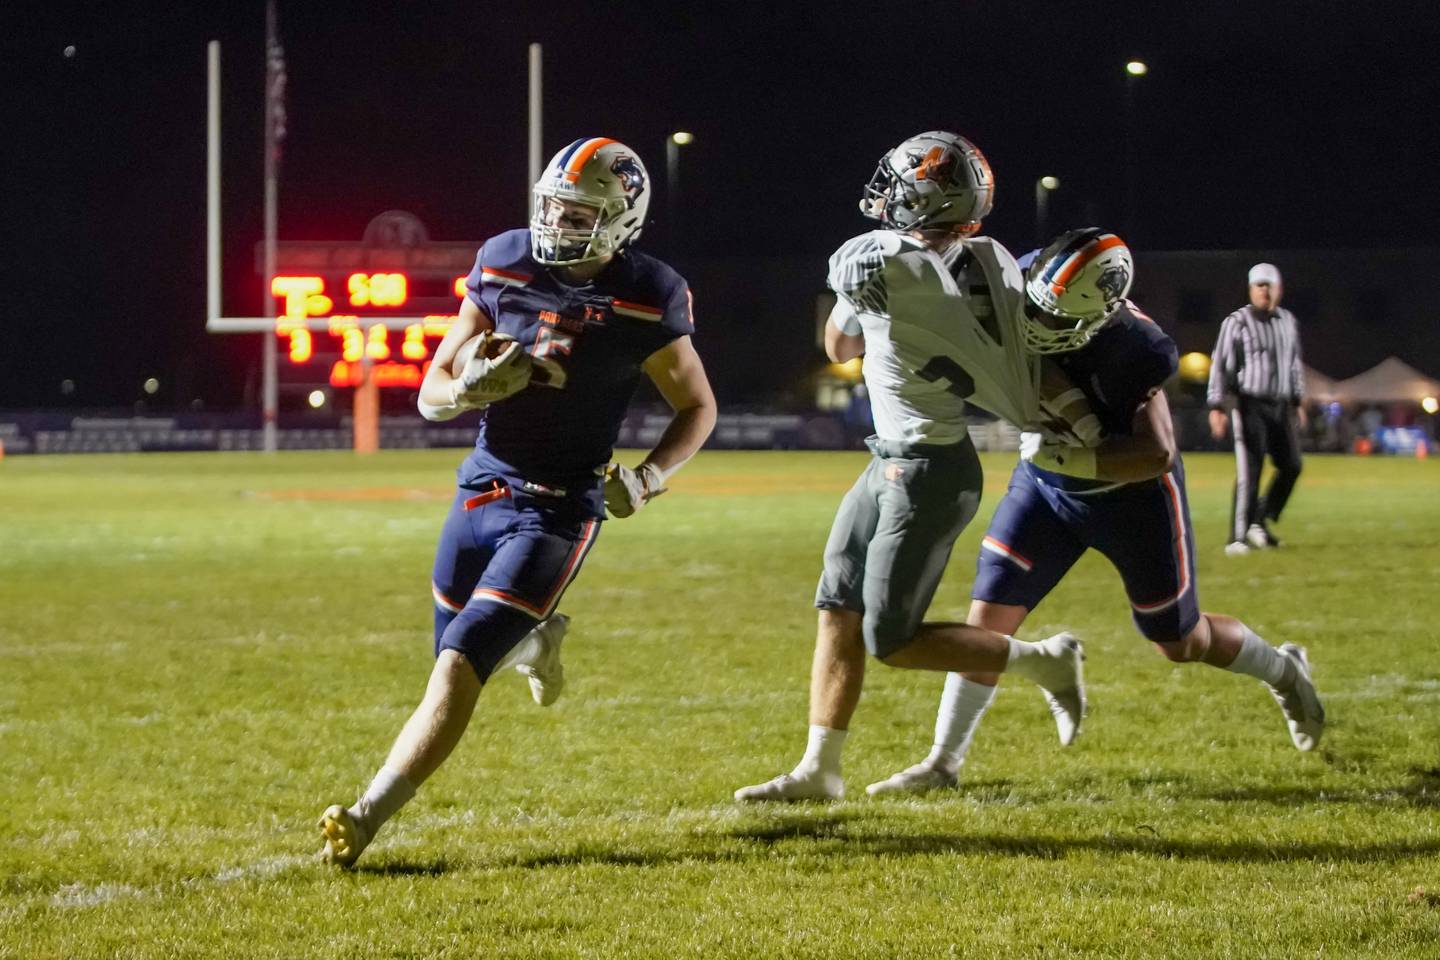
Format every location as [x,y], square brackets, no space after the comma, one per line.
[1262,427]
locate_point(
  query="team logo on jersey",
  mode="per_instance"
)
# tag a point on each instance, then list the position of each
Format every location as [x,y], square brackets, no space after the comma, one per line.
[1113,282]
[632,178]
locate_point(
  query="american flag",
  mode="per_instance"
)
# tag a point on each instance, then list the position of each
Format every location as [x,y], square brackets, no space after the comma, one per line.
[274,80]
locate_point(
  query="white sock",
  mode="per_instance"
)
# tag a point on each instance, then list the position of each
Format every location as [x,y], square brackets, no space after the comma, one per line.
[822,753]
[1263,662]
[523,652]
[387,793]
[962,705]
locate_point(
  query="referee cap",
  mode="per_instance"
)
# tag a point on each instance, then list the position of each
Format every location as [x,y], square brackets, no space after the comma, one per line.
[1264,273]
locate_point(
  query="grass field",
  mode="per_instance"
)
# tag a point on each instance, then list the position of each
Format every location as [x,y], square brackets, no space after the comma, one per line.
[198,653]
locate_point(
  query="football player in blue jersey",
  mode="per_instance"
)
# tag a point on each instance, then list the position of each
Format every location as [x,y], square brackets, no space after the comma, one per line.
[1124,497]
[559,323]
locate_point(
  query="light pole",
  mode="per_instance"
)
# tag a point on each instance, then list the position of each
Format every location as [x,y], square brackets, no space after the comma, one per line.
[673,143]
[1134,70]
[1043,188]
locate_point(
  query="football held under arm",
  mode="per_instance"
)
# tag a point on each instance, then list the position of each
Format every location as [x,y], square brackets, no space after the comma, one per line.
[1068,415]
[442,396]
[1148,451]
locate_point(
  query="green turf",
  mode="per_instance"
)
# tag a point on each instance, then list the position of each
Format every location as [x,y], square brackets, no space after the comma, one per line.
[198,652]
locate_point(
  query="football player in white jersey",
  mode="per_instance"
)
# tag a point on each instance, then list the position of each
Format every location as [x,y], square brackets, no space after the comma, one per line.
[935,310]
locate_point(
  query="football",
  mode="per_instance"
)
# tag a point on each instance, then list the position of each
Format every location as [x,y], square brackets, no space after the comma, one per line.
[541,371]
[492,346]
[1068,417]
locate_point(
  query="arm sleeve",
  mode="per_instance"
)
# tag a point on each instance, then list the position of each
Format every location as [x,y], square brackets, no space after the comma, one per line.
[844,318]
[679,320]
[1222,366]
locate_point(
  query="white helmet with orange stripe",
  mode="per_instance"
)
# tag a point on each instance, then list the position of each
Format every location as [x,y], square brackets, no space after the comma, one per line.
[1074,285]
[931,181]
[592,172]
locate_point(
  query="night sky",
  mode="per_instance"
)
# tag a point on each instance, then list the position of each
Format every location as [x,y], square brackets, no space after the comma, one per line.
[1262,125]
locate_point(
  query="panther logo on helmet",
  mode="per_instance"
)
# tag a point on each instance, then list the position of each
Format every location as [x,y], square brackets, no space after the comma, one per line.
[1073,287]
[632,177]
[1114,282]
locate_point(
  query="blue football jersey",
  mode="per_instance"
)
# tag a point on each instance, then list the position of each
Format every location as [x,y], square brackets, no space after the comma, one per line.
[1125,364]
[587,342]
[1122,366]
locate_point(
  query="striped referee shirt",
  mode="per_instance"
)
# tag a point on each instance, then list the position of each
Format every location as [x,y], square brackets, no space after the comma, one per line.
[1257,355]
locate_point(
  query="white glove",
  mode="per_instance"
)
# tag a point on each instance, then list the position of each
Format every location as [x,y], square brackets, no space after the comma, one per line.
[1073,461]
[626,490]
[484,379]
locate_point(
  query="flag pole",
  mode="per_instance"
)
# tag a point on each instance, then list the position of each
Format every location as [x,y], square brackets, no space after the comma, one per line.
[535,117]
[274,131]
[212,183]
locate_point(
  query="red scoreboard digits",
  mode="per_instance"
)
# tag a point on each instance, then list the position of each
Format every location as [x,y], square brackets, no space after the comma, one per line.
[381,302]
[397,357]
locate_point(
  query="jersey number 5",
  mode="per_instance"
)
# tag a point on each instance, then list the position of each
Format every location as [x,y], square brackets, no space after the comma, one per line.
[550,344]
[945,369]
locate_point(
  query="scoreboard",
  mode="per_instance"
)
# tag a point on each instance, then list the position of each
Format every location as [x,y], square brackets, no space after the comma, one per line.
[382,303]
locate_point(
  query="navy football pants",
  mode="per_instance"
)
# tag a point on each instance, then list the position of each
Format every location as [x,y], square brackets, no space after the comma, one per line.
[501,567]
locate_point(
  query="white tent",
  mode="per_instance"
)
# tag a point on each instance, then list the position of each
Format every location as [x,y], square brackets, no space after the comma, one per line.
[1392,380]
[1317,385]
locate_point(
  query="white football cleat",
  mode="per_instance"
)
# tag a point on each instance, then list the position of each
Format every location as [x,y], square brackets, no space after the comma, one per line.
[544,671]
[1066,698]
[921,778]
[1304,713]
[1237,548]
[1260,537]
[345,837]
[819,786]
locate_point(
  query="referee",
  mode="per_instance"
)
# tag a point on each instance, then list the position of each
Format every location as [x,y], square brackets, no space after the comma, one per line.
[1255,375]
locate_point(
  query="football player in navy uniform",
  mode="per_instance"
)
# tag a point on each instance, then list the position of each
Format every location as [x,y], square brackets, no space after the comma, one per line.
[569,317]
[1124,497]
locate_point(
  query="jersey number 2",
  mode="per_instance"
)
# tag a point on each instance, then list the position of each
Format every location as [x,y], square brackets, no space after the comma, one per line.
[957,381]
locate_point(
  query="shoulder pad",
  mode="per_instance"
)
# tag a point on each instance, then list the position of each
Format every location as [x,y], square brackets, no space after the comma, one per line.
[857,259]
[508,252]
[989,244]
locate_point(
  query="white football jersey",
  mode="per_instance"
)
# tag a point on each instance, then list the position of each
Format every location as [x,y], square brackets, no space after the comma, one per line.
[940,330]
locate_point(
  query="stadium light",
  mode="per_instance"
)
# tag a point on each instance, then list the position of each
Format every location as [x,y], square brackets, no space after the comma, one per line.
[673,143]
[317,399]
[1430,405]
[1137,68]
[1045,186]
